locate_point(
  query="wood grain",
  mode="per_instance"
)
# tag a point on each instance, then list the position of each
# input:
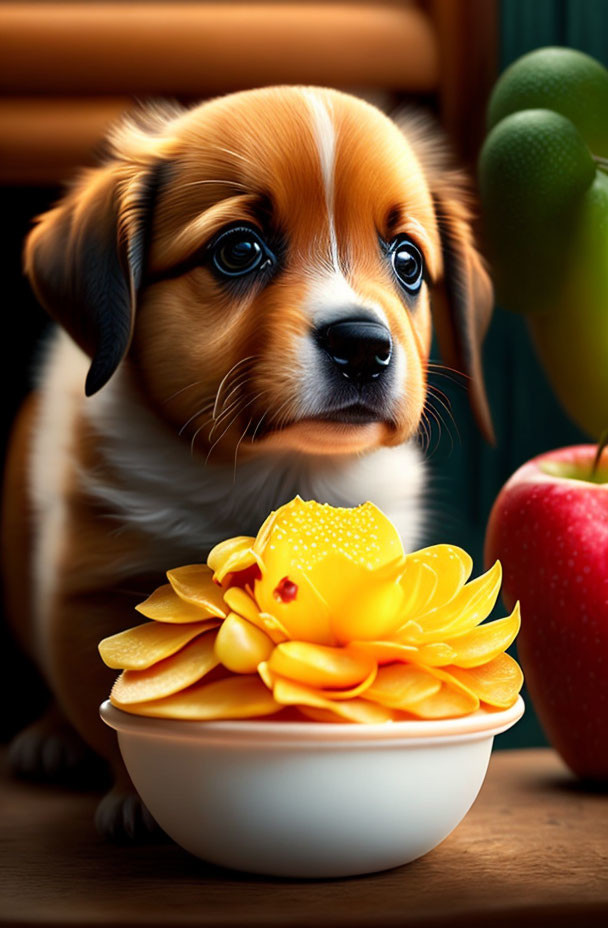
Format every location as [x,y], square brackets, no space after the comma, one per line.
[532,851]
[195,49]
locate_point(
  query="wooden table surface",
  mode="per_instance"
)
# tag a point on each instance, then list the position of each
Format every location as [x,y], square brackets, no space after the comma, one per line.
[532,851]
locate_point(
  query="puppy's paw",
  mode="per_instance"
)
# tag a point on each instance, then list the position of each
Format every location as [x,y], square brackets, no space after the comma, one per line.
[50,750]
[122,817]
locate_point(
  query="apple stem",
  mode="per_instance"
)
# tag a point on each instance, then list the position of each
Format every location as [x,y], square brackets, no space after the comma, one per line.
[603,442]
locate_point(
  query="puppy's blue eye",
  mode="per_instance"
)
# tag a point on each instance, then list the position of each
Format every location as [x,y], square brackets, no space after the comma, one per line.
[408,263]
[240,251]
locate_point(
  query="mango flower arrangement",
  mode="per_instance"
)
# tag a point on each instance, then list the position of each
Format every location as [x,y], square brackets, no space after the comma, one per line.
[324,613]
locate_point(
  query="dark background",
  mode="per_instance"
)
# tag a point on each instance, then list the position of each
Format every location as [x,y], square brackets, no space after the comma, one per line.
[466,474]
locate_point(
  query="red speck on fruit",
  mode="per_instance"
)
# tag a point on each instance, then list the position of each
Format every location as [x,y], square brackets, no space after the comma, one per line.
[286,590]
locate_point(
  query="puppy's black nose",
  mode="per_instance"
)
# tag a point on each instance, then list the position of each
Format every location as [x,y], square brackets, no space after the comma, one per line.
[360,348]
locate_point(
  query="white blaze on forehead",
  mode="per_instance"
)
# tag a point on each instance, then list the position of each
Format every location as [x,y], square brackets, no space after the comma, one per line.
[325,136]
[330,297]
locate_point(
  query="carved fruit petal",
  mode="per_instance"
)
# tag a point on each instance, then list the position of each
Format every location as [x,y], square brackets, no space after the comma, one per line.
[400,686]
[385,652]
[289,693]
[485,642]
[231,555]
[240,646]
[465,611]
[496,683]
[448,702]
[452,567]
[232,698]
[141,647]
[194,584]
[164,605]
[319,666]
[168,676]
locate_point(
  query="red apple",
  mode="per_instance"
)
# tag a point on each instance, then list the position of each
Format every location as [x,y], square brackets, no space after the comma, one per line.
[549,529]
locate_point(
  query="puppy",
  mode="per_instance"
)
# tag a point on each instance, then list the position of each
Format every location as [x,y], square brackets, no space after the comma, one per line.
[244,289]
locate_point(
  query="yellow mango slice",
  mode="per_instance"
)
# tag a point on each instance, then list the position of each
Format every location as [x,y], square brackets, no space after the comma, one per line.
[302,614]
[270,677]
[465,611]
[266,675]
[240,646]
[232,698]
[453,699]
[164,605]
[400,686]
[436,654]
[371,607]
[273,628]
[141,647]
[326,715]
[319,666]
[231,555]
[448,702]
[452,567]
[385,652]
[485,642]
[244,605]
[194,584]
[496,683]
[167,676]
[289,693]
[418,582]
[264,532]
[238,600]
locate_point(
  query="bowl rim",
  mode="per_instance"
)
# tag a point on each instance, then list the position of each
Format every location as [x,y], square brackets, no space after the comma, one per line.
[478,725]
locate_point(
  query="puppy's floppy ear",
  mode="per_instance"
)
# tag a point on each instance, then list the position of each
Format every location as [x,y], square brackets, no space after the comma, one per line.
[462,299]
[462,303]
[85,257]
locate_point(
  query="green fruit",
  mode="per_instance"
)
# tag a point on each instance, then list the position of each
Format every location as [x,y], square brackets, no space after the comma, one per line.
[544,191]
[560,79]
[533,165]
[572,339]
[534,169]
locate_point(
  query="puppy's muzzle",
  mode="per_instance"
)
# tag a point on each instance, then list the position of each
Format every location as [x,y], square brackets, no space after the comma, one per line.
[361,349]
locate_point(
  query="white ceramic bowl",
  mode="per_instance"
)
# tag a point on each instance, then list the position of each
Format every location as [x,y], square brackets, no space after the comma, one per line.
[308,799]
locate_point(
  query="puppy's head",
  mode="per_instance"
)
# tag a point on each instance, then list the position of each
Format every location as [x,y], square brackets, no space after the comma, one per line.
[270,262]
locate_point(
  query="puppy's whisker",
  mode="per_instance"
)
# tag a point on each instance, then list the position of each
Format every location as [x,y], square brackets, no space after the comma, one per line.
[199,412]
[222,418]
[438,418]
[177,392]
[427,434]
[236,450]
[219,420]
[439,392]
[260,420]
[234,418]
[424,433]
[282,420]
[240,380]
[234,367]
[434,394]
[443,370]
